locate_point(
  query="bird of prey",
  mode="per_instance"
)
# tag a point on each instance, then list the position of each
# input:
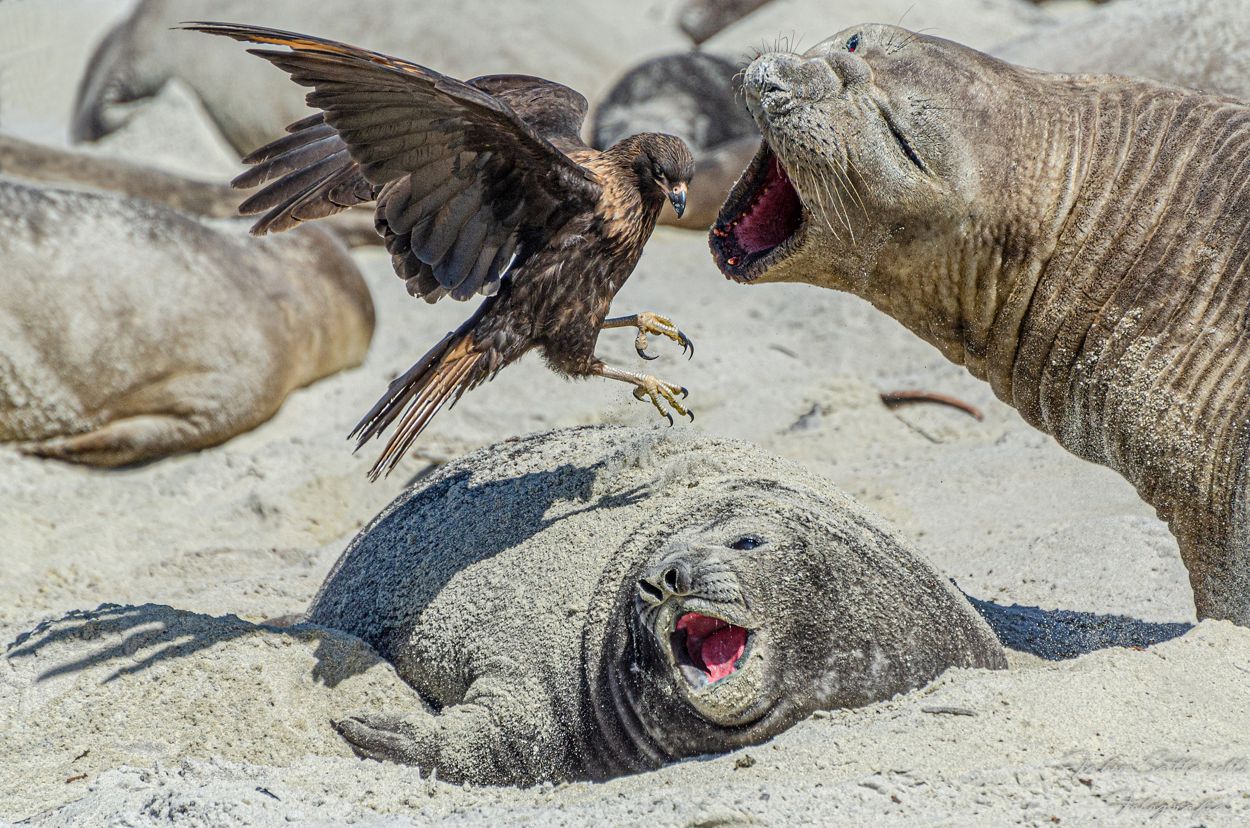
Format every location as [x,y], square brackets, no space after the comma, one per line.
[482,187]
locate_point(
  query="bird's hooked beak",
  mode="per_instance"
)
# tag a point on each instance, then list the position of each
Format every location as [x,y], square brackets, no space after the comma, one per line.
[677,196]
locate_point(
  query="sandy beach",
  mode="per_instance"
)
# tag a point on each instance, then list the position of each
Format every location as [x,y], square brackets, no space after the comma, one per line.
[198,550]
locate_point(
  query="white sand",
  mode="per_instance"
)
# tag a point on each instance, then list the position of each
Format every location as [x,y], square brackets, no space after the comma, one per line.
[1159,737]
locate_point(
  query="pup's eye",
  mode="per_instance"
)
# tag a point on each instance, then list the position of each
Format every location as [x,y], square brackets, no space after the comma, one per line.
[853,43]
[746,542]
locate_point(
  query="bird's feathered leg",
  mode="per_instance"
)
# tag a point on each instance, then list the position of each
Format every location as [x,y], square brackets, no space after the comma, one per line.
[649,387]
[651,323]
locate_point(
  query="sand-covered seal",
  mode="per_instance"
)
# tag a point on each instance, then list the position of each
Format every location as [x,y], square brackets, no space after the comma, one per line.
[132,331]
[599,601]
[1080,242]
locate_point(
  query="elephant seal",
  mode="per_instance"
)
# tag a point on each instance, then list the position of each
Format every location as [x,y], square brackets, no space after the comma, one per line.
[1079,242]
[580,43]
[599,601]
[34,162]
[132,332]
[1204,44]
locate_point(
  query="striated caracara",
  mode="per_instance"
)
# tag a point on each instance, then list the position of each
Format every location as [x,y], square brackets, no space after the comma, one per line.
[482,187]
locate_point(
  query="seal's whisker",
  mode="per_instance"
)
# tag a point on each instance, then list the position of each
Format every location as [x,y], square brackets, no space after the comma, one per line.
[903,16]
[852,190]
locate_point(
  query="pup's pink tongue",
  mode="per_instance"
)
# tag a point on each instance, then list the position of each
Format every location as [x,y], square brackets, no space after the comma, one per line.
[713,644]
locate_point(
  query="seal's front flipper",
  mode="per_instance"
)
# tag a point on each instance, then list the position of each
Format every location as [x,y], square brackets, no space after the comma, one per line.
[121,442]
[401,739]
[496,736]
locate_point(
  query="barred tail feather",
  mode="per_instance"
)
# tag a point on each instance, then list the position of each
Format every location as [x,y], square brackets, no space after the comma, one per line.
[452,367]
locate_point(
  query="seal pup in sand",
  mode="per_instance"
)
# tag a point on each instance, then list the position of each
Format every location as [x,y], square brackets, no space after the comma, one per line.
[600,601]
[1079,242]
[132,332]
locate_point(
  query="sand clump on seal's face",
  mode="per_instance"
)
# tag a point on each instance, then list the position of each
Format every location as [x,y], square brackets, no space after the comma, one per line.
[1080,242]
[133,332]
[600,601]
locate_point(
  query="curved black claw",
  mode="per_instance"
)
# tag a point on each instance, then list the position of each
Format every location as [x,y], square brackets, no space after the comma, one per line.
[690,414]
[642,352]
[685,392]
[670,420]
[687,344]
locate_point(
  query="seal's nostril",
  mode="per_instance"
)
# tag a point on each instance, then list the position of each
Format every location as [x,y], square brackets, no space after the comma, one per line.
[670,578]
[772,86]
[648,591]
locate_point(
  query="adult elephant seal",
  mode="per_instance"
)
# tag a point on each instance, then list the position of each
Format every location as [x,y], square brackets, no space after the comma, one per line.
[600,601]
[1080,242]
[132,332]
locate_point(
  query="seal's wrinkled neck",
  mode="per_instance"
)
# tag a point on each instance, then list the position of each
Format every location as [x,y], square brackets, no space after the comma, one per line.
[1129,342]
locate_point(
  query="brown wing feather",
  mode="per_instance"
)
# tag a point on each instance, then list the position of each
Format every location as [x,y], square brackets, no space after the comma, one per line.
[459,175]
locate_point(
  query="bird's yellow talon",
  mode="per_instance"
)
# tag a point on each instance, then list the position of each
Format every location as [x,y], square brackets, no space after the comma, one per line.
[655,390]
[652,323]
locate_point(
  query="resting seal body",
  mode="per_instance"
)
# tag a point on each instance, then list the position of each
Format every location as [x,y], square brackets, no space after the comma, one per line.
[1204,44]
[561,41]
[132,331]
[1079,242]
[600,601]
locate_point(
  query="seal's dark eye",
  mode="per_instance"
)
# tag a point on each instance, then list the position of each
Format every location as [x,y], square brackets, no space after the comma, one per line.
[853,43]
[746,542]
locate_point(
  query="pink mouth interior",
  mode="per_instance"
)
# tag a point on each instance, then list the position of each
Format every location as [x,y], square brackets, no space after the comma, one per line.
[714,646]
[772,215]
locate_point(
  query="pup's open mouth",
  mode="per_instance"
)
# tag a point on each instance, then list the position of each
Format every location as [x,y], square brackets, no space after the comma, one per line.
[758,221]
[707,649]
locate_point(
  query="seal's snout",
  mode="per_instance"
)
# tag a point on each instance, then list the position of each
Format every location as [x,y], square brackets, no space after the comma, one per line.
[666,581]
[775,83]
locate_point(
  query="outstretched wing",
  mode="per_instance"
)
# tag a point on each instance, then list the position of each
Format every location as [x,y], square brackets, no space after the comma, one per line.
[552,109]
[464,184]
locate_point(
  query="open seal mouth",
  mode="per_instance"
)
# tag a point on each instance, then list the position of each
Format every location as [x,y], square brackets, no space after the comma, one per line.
[759,220]
[707,649]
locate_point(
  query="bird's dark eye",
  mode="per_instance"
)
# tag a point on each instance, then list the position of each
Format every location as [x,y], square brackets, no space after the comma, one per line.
[746,542]
[853,43]
[657,172]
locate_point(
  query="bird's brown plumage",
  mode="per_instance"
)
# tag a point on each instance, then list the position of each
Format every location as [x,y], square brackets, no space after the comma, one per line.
[482,187]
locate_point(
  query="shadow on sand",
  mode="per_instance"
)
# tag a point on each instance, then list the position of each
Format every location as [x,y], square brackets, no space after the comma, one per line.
[1058,634]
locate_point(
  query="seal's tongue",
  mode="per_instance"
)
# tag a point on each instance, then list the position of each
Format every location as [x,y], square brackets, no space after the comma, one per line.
[712,644]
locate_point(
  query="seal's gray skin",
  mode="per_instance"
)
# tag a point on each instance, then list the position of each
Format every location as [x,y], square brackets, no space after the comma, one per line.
[34,162]
[529,593]
[1079,242]
[1204,44]
[690,95]
[700,19]
[132,331]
